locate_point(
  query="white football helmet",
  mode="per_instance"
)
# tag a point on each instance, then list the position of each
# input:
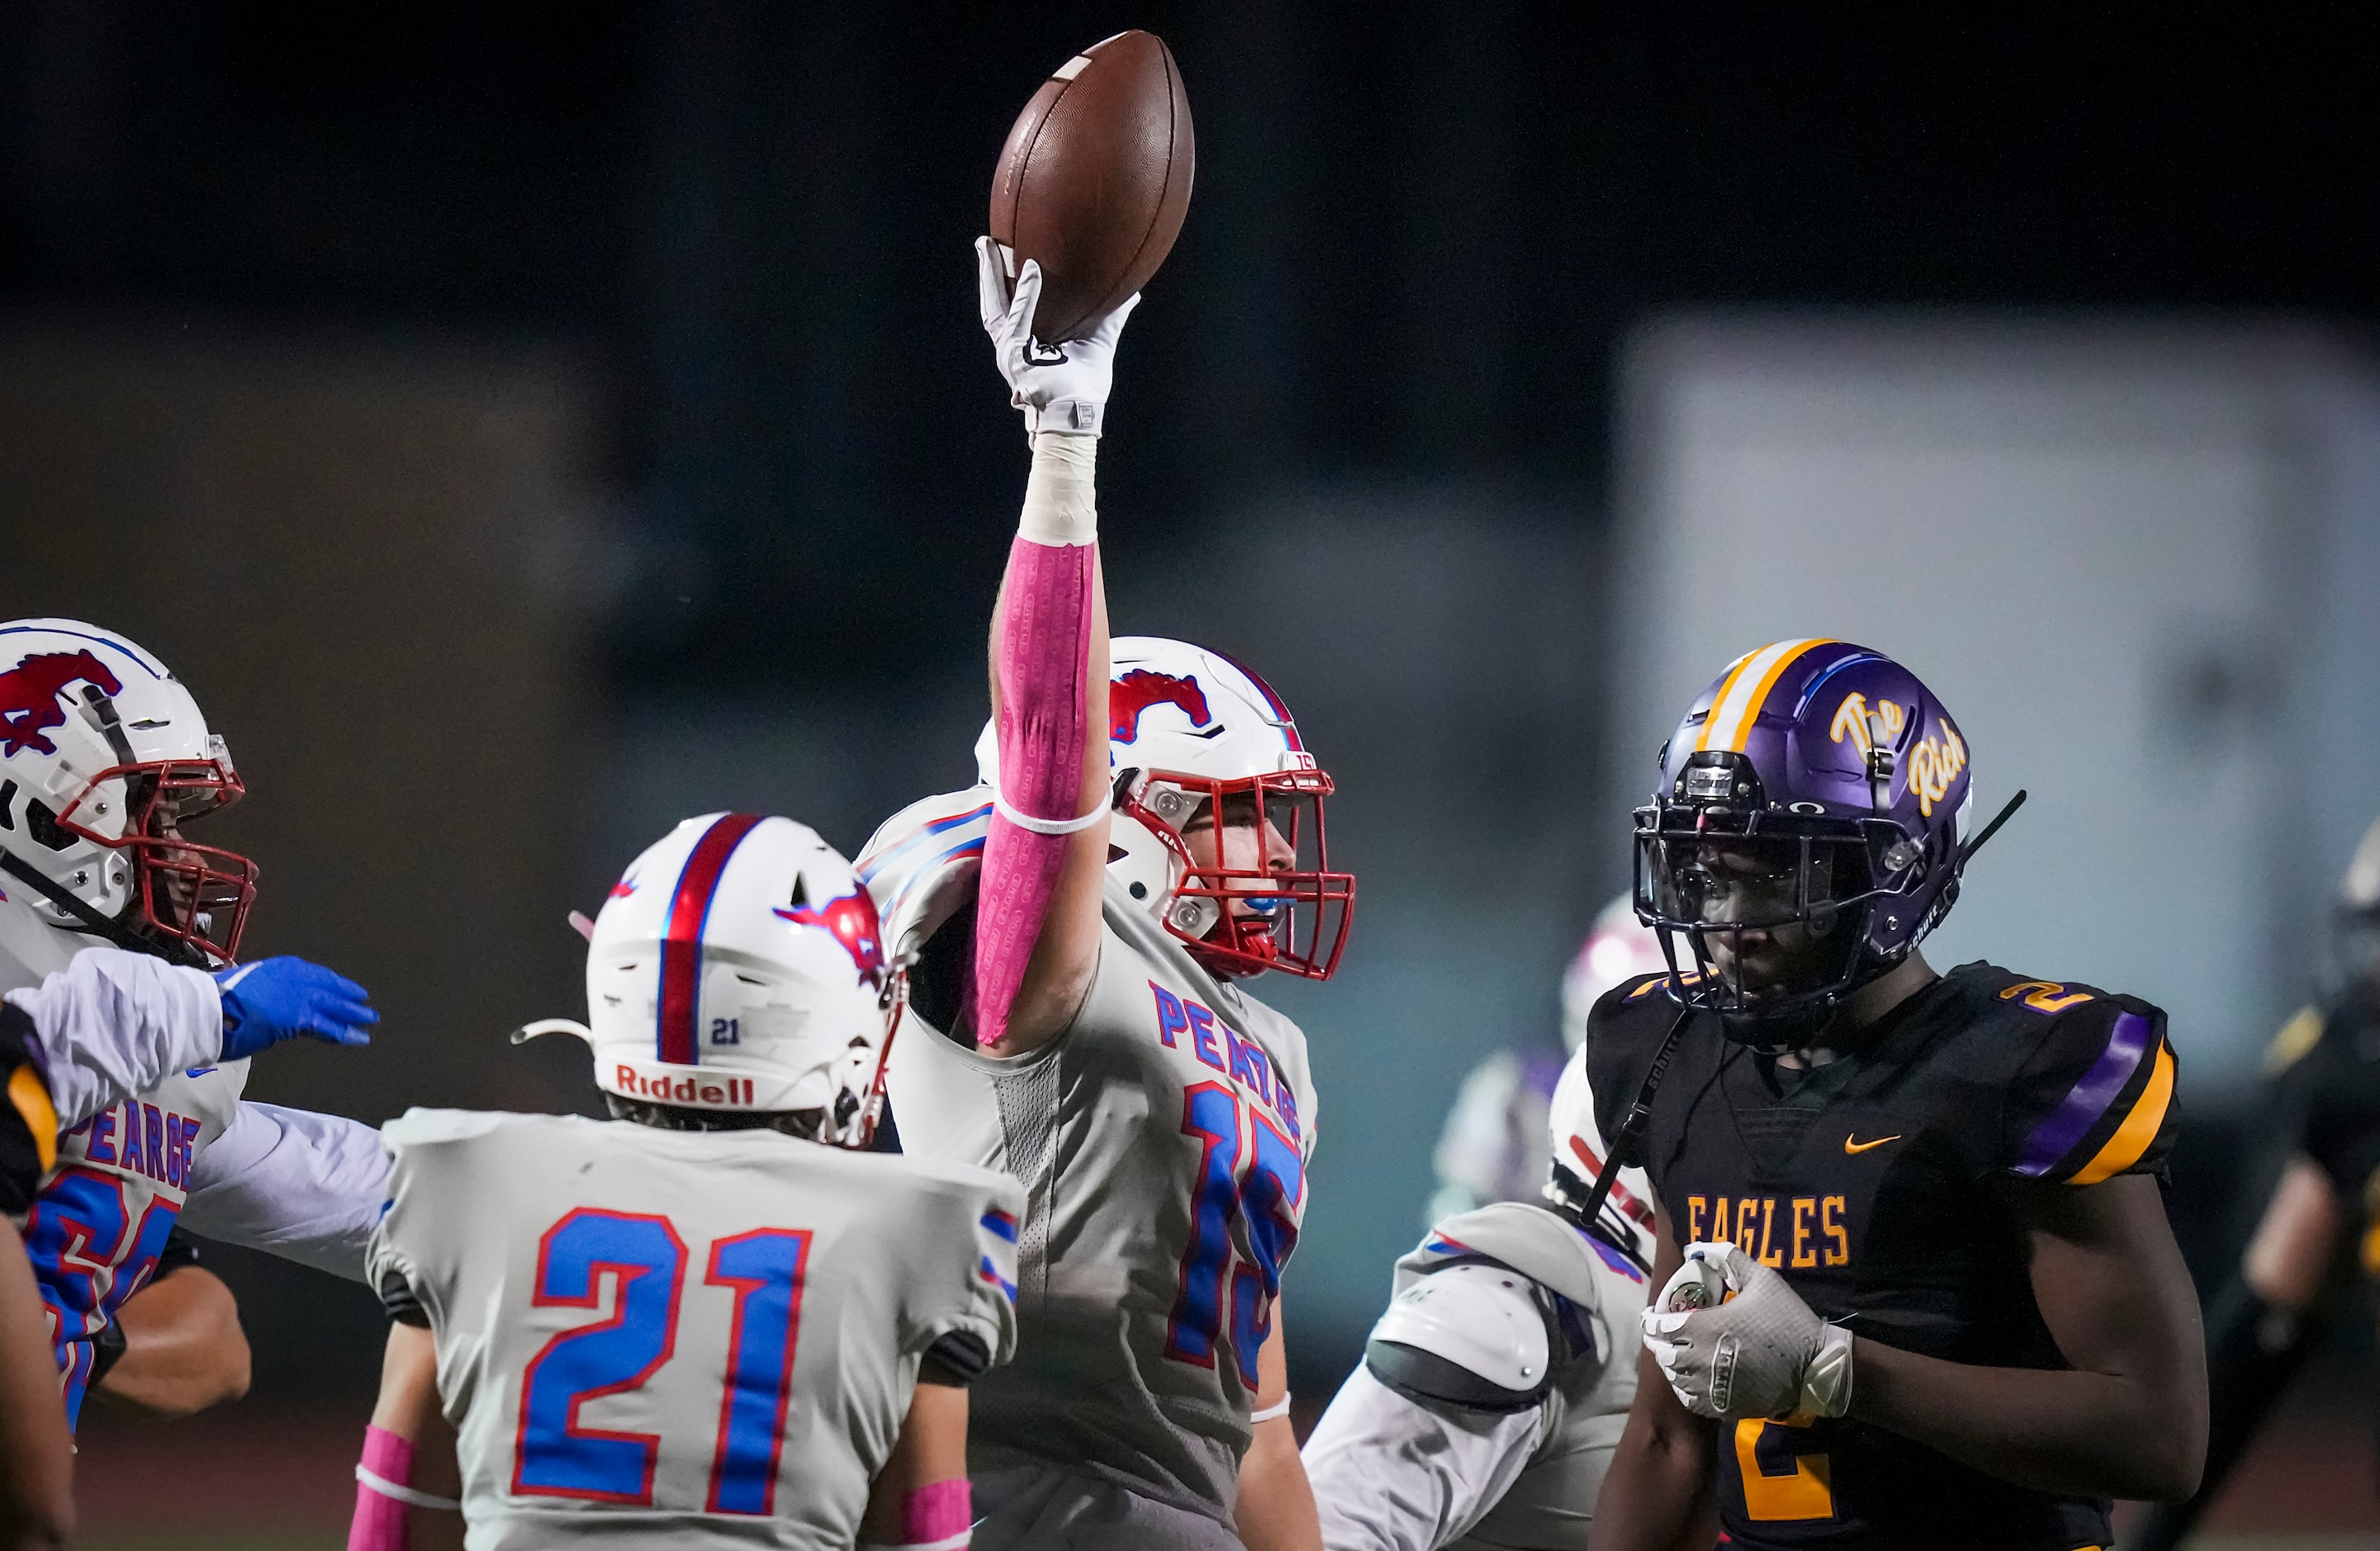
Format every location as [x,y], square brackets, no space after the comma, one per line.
[737,967]
[103,757]
[1626,1219]
[1617,947]
[1192,734]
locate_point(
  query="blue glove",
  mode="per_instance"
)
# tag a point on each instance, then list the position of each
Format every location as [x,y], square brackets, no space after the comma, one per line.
[274,999]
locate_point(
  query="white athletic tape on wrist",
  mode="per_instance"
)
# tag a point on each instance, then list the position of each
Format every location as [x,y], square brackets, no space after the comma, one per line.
[1059,504]
[407,1494]
[1270,1413]
[1045,826]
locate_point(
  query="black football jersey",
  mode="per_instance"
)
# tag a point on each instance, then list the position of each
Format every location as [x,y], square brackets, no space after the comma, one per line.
[1876,1186]
[2327,1088]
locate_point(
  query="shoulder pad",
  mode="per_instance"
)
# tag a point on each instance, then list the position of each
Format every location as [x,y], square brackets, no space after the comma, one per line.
[2093,1096]
[1539,1243]
[1473,1335]
[921,862]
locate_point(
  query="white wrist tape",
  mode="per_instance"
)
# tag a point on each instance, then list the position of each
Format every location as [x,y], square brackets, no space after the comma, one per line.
[1058,504]
[1273,1412]
[406,1495]
[1045,826]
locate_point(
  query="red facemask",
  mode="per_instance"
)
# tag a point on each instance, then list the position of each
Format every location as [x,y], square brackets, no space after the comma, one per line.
[1280,910]
[196,895]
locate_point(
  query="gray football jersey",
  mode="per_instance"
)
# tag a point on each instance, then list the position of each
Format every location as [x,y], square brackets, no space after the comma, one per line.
[1162,1141]
[654,1337]
[101,1221]
[1551,1504]
[1392,1472]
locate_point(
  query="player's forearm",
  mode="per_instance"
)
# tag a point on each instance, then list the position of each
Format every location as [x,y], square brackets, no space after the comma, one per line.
[1036,922]
[114,1023]
[1275,1511]
[2083,1434]
[36,1459]
[184,1350]
[1654,1492]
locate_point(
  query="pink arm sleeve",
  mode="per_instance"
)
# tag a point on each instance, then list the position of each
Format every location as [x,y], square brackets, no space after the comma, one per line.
[379,1521]
[1043,660]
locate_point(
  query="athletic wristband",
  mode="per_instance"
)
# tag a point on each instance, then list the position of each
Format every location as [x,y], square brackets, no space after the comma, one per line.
[1270,1413]
[406,1495]
[1059,505]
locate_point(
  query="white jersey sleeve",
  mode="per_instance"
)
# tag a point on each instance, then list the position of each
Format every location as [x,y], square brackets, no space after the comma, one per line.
[660,1339]
[1390,1475]
[115,1024]
[304,1186]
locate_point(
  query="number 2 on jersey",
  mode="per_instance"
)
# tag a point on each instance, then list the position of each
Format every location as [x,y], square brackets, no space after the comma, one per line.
[1244,1167]
[554,1456]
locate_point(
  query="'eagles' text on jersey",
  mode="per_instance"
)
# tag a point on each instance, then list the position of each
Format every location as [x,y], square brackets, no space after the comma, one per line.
[1879,1184]
[668,1339]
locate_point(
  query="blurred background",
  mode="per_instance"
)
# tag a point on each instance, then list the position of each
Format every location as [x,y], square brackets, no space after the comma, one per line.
[523,431]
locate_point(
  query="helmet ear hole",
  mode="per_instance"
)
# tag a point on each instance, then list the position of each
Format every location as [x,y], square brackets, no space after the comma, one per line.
[43,825]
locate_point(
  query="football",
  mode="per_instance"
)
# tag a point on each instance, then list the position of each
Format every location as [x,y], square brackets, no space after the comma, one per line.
[1094,179]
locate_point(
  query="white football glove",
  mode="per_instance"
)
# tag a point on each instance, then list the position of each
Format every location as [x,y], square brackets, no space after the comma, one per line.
[1060,387]
[1761,1353]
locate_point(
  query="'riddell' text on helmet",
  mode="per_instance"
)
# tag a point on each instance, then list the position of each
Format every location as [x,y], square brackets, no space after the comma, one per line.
[1200,748]
[1805,833]
[104,759]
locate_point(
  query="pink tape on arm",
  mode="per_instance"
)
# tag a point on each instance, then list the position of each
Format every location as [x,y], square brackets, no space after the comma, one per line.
[380,1523]
[936,1512]
[1043,649]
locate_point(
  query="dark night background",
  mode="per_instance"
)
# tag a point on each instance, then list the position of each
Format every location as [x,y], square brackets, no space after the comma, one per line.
[1421,240]
[1417,234]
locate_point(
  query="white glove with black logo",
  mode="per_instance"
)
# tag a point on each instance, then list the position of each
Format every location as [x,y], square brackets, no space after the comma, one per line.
[1061,386]
[1760,1353]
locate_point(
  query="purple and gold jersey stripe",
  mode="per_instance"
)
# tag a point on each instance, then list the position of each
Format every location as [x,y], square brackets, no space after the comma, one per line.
[682,946]
[1745,689]
[2095,1094]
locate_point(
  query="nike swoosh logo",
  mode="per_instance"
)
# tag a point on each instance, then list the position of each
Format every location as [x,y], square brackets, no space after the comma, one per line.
[1855,1148]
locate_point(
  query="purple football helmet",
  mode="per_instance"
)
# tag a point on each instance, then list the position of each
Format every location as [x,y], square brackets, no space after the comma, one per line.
[1806,834]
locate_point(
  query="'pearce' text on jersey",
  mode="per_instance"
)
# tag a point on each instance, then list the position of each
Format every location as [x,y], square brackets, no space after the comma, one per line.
[1237,1057]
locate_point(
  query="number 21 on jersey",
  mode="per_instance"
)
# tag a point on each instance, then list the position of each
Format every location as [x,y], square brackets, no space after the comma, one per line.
[554,1456]
[1246,1169]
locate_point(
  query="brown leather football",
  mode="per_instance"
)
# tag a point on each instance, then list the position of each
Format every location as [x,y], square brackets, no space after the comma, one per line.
[1094,179]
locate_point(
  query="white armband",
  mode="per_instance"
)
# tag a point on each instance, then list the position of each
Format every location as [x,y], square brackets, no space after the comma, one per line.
[1045,826]
[1273,1412]
[406,1495]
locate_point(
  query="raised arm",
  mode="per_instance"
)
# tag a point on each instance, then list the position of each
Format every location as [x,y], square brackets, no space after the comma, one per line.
[1038,915]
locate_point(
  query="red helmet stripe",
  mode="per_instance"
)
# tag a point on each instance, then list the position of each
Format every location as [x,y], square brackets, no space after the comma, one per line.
[682,944]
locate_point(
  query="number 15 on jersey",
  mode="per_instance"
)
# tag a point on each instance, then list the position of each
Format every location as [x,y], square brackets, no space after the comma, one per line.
[1247,1171]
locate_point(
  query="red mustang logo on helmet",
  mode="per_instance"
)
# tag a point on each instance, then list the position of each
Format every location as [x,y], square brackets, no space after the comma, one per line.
[31,692]
[852,919]
[1138,690]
